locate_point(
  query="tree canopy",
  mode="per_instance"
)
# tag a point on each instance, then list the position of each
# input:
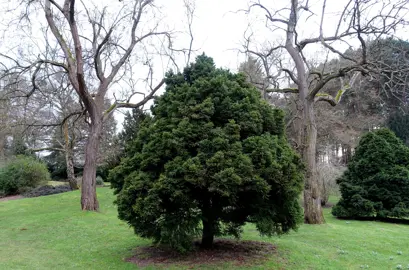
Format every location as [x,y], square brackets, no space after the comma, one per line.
[213,157]
[376,183]
[398,122]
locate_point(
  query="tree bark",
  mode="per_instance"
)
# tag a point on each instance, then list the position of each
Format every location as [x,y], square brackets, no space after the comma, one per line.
[70,170]
[208,234]
[305,125]
[89,199]
[307,144]
[69,158]
[2,144]
[348,154]
[308,137]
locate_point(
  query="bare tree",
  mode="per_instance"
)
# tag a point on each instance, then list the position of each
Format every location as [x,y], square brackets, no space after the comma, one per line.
[65,146]
[17,113]
[358,22]
[98,49]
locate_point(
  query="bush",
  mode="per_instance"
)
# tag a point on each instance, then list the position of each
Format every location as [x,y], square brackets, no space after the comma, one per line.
[328,175]
[376,183]
[22,173]
[78,178]
[47,190]
[99,181]
[213,157]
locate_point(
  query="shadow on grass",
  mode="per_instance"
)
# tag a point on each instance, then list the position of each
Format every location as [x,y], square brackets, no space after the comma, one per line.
[379,219]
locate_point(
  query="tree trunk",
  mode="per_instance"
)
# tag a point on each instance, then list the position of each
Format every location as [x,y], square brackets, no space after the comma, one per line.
[334,154]
[208,234]
[69,158]
[70,170]
[312,199]
[88,189]
[2,146]
[348,154]
[305,125]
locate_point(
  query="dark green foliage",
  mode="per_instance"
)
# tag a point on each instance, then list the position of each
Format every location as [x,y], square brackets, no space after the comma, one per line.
[22,173]
[131,125]
[47,190]
[57,166]
[376,183]
[99,181]
[398,122]
[55,160]
[213,157]
[18,146]
[111,159]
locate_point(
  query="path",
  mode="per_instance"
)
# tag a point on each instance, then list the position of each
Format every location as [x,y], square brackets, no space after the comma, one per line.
[9,198]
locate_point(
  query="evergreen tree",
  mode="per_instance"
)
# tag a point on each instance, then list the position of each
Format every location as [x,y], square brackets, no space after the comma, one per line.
[253,70]
[56,163]
[213,157]
[398,122]
[376,183]
[18,145]
[131,125]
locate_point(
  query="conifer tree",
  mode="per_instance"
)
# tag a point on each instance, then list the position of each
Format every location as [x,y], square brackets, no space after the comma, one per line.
[213,157]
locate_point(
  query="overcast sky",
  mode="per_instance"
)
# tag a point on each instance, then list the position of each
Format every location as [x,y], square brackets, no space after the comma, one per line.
[218,26]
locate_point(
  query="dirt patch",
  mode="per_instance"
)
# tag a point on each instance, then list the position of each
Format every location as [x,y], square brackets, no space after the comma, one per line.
[10,198]
[239,253]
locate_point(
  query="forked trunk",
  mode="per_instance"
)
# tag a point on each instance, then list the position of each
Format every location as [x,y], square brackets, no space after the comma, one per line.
[312,197]
[305,124]
[88,189]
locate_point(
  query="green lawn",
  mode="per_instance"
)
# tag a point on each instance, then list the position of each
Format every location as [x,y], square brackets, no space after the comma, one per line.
[57,183]
[52,233]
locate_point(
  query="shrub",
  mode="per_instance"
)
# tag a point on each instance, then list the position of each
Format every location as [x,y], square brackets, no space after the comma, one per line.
[21,174]
[47,190]
[99,181]
[213,157]
[376,183]
[328,175]
[78,178]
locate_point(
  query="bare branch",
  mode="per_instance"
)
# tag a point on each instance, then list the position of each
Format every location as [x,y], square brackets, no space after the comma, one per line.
[45,149]
[134,105]
[284,90]
[269,15]
[291,74]
[327,98]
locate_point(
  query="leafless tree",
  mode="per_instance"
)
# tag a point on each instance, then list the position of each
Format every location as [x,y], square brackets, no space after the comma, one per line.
[67,120]
[98,48]
[17,113]
[358,22]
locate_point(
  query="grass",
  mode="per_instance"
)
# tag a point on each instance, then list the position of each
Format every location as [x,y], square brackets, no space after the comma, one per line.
[57,183]
[52,233]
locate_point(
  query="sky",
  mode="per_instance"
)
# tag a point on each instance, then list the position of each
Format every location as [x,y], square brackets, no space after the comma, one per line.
[218,29]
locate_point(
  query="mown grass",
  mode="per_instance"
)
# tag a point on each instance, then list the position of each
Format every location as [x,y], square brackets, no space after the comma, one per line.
[52,233]
[57,183]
